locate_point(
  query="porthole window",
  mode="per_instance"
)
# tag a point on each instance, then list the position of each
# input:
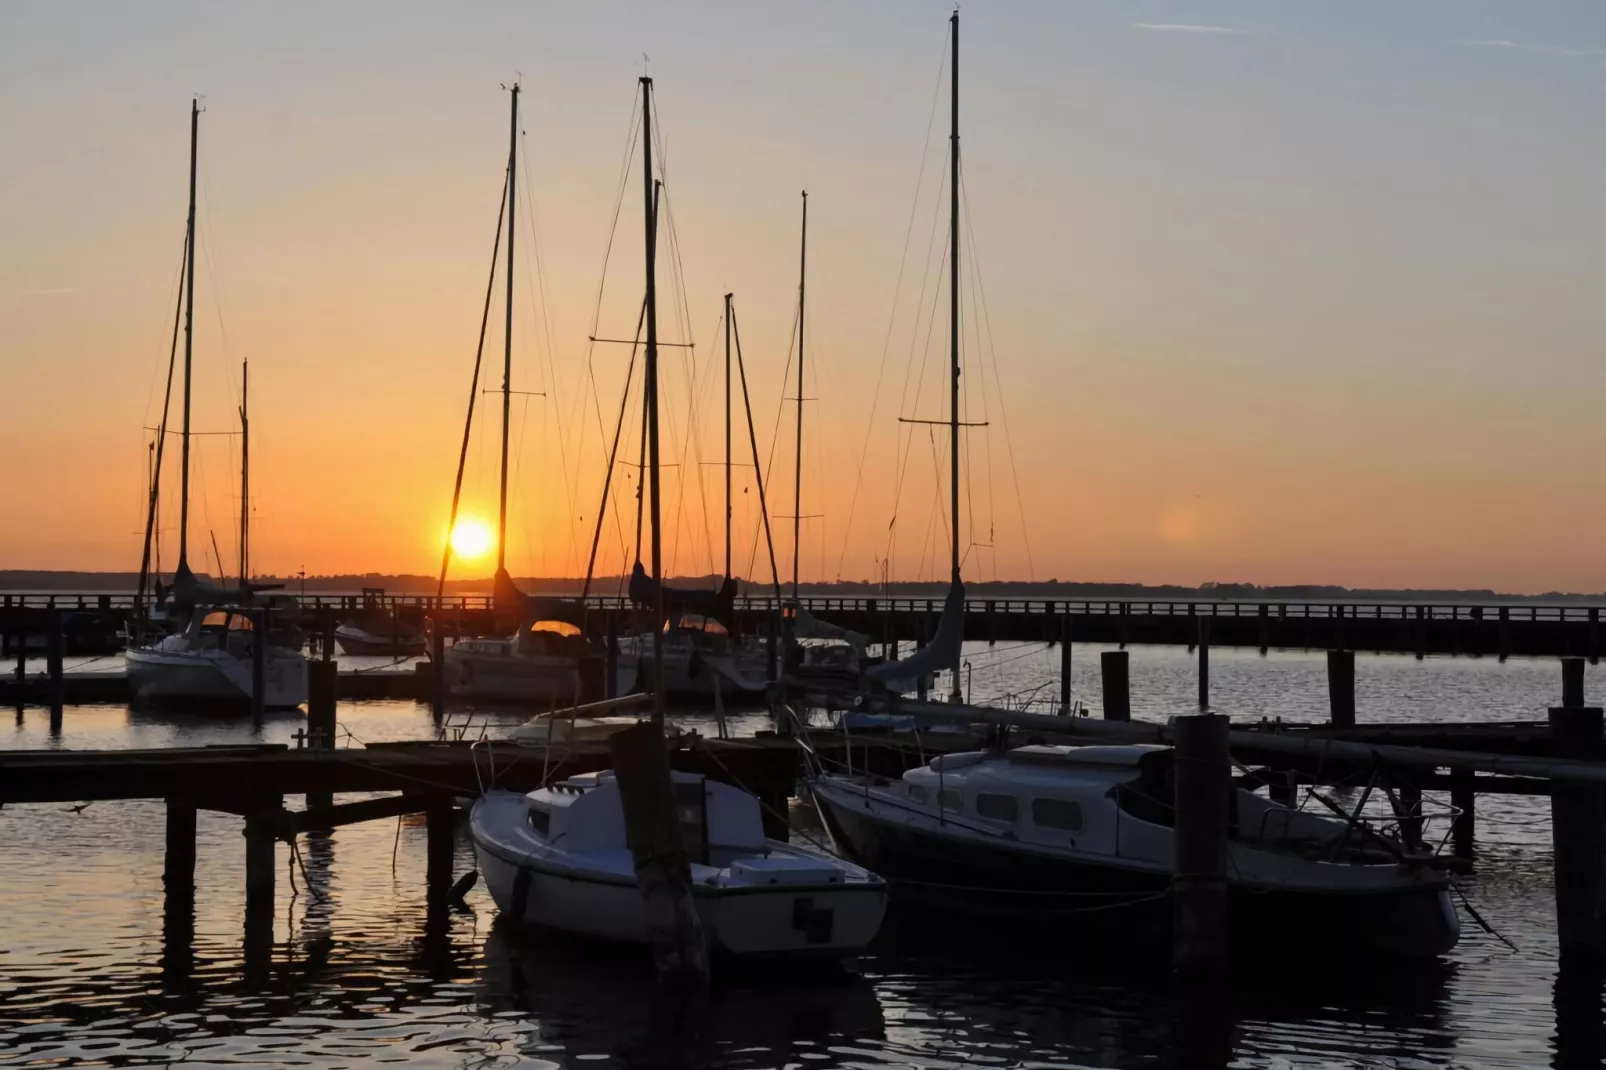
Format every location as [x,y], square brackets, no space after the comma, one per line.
[949,802]
[919,794]
[997,807]
[540,821]
[1057,814]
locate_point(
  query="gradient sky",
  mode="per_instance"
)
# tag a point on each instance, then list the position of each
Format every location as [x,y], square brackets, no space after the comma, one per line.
[1277,292]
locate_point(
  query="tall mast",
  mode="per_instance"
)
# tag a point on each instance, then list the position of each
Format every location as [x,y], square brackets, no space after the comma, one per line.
[245,474]
[728,436]
[507,334]
[797,475]
[651,383]
[953,320]
[189,338]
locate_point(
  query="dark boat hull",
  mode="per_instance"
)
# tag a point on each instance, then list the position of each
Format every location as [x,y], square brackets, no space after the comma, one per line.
[930,871]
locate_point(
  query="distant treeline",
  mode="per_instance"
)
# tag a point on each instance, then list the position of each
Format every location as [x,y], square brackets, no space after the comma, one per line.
[111,582]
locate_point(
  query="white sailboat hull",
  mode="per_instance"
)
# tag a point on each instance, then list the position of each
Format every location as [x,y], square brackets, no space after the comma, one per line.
[156,675]
[512,677]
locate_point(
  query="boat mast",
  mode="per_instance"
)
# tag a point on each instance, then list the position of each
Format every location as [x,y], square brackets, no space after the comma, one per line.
[797,476]
[650,382]
[728,436]
[953,323]
[189,338]
[153,543]
[507,334]
[245,475]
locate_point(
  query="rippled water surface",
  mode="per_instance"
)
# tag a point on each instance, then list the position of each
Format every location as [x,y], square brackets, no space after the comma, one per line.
[93,974]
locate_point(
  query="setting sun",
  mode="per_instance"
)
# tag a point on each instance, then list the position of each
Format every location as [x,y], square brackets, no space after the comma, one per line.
[471,537]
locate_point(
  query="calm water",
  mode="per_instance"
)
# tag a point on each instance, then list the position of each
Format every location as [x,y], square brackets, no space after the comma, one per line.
[359,975]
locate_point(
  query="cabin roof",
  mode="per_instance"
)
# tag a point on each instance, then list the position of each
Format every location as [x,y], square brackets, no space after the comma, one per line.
[1130,755]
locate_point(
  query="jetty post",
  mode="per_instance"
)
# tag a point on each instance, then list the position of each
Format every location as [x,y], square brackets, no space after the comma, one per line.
[259,666]
[262,821]
[1464,801]
[663,872]
[1065,665]
[440,828]
[1265,628]
[610,668]
[1199,876]
[1572,682]
[437,670]
[55,646]
[1578,836]
[1117,692]
[1204,663]
[322,697]
[1341,688]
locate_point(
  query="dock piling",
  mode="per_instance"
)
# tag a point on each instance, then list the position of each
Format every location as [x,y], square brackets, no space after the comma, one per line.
[261,826]
[440,823]
[322,698]
[1065,665]
[259,666]
[1199,883]
[1572,682]
[54,644]
[663,872]
[1341,688]
[1117,690]
[1463,800]
[178,865]
[1578,836]
[1204,663]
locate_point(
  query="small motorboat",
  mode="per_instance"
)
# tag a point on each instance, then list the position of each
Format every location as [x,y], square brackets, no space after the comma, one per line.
[1039,829]
[379,631]
[556,859]
[211,661]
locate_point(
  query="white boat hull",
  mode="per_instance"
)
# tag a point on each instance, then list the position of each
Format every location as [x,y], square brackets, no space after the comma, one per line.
[215,676]
[512,677]
[742,922]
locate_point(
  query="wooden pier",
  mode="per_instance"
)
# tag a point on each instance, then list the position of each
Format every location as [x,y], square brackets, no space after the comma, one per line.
[92,623]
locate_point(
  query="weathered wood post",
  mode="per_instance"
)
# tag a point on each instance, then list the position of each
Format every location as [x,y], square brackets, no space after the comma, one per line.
[1421,632]
[1464,800]
[1410,815]
[663,873]
[1199,881]
[54,644]
[1594,635]
[1265,628]
[1117,692]
[1503,633]
[322,698]
[920,642]
[1065,665]
[1578,837]
[1341,688]
[328,633]
[1572,682]
[1204,663]
[992,626]
[1126,624]
[20,636]
[437,671]
[178,862]
[261,826]
[440,824]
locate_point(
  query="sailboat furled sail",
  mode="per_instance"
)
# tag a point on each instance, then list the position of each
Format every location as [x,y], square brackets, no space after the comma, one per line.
[941,653]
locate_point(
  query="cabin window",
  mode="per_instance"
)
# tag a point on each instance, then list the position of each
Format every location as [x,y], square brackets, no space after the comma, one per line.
[540,821]
[997,807]
[556,627]
[919,794]
[949,802]
[1057,814]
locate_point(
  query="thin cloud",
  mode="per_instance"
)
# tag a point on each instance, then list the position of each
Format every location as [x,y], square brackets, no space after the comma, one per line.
[1188,27]
[1541,49]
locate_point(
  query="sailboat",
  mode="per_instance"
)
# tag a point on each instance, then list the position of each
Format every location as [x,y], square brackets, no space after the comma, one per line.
[210,659]
[549,657]
[557,858]
[1032,830]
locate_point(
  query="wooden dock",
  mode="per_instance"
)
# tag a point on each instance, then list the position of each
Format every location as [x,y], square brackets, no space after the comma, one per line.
[92,623]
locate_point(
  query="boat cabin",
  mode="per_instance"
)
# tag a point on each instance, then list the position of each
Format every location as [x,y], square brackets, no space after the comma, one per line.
[718,823]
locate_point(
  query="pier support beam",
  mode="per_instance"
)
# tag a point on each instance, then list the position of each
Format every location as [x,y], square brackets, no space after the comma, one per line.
[54,645]
[259,667]
[322,696]
[178,864]
[437,666]
[1204,663]
[1578,835]
[1464,800]
[1503,633]
[1065,665]
[1572,682]
[440,823]
[1341,688]
[663,873]
[261,825]
[1117,691]
[1199,884]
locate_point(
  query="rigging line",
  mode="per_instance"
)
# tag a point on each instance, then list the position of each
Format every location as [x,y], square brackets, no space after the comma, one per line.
[907,457]
[974,323]
[613,455]
[775,433]
[473,390]
[151,518]
[752,438]
[1003,414]
[892,318]
[545,320]
[204,227]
